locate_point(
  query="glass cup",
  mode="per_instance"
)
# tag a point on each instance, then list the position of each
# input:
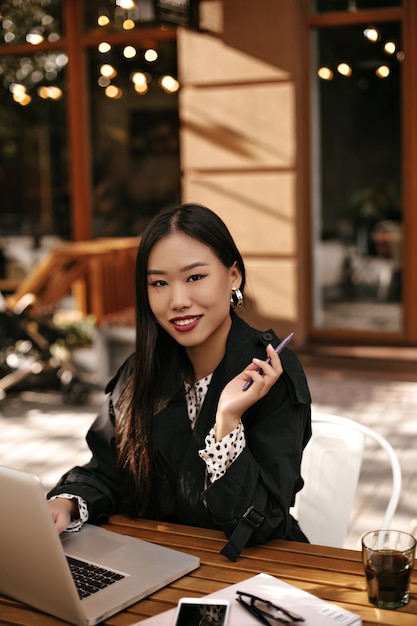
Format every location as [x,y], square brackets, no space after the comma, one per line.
[388,559]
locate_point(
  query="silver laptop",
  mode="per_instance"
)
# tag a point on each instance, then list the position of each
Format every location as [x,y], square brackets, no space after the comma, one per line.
[34,559]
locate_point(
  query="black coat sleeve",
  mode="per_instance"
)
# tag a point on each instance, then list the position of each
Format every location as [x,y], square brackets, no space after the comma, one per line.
[267,473]
[98,482]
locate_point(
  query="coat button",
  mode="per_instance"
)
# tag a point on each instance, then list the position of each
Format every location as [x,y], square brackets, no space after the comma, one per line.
[267,337]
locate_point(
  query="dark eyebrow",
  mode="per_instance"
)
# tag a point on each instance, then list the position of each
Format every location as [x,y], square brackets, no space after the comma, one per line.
[151,272]
[187,268]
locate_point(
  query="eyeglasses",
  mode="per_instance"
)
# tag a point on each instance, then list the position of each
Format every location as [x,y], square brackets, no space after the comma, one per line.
[265,611]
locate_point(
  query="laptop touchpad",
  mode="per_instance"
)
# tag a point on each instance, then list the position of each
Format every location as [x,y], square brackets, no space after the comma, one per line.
[89,542]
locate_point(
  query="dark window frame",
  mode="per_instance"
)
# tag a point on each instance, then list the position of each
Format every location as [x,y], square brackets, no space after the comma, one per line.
[75,41]
[407,15]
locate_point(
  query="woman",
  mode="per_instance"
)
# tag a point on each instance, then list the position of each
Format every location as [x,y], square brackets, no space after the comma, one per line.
[178,439]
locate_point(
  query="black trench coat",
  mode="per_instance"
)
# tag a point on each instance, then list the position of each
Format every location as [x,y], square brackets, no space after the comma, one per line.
[277,429]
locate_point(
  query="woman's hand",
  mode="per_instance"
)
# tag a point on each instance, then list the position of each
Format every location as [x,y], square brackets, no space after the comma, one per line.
[62,512]
[233,402]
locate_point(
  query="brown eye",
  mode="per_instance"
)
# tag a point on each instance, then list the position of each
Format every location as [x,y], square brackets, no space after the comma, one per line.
[195,277]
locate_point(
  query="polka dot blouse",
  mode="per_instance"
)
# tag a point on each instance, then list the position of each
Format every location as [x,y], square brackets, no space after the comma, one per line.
[217,455]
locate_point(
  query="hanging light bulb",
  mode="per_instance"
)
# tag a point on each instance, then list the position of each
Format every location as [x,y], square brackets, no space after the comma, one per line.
[104,47]
[129,52]
[34,38]
[128,5]
[325,73]
[344,69]
[113,92]
[151,55]
[103,20]
[108,71]
[169,84]
[383,71]
[128,24]
[372,34]
[390,47]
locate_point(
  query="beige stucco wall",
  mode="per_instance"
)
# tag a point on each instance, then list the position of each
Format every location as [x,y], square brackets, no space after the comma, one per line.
[239,142]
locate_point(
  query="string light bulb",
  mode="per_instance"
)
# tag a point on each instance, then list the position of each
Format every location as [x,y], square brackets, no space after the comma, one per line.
[390,47]
[325,73]
[344,69]
[372,34]
[128,5]
[383,71]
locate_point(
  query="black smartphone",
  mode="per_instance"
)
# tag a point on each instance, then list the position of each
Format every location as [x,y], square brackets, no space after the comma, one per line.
[198,612]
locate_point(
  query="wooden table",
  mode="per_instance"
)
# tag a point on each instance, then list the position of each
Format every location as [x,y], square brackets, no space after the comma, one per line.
[333,574]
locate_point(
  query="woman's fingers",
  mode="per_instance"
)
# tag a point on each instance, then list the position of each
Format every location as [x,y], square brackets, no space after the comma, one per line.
[271,368]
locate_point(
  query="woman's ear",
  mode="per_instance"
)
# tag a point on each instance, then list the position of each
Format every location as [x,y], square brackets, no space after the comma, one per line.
[236,275]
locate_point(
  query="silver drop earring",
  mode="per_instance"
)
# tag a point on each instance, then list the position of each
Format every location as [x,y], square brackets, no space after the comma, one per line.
[236,299]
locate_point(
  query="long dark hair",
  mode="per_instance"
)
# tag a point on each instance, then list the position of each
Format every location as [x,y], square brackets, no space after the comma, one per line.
[157,379]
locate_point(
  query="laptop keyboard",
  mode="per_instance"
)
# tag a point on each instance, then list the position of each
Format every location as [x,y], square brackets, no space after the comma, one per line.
[90,578]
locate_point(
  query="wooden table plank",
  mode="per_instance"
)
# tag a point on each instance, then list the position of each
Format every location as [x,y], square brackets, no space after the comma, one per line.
[333,574]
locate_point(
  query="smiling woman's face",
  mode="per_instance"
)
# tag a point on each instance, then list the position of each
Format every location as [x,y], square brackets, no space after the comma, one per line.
[189,290]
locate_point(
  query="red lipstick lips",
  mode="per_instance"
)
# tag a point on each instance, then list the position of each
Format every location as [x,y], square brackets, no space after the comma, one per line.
[185,323]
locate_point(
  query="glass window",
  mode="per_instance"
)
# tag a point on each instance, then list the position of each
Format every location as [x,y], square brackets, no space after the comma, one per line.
[329,6]
[33,21]
[357,191]
[33,145]
[35,205]
[135,135]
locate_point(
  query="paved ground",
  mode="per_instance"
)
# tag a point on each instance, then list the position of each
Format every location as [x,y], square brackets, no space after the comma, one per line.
[41,434]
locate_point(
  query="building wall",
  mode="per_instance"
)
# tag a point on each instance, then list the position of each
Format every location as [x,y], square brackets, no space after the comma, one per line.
[239,143]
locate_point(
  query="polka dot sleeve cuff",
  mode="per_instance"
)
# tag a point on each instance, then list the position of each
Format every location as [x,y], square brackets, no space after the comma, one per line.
[219,455]
[76,524]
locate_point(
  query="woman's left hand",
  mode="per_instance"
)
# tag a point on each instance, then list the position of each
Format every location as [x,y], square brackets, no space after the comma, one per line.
[233,401]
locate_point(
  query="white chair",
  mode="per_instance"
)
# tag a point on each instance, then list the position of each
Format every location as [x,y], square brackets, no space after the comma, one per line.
[331,467]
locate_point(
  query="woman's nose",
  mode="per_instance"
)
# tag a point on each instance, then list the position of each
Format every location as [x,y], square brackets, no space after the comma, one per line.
[179,299]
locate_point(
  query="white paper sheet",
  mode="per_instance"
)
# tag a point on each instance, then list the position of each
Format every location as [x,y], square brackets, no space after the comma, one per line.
[315,611]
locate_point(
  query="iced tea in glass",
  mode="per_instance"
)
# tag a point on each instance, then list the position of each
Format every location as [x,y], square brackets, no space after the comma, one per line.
[388,559]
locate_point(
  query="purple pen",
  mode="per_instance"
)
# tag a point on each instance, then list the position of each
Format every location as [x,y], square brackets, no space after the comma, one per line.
[278,349]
